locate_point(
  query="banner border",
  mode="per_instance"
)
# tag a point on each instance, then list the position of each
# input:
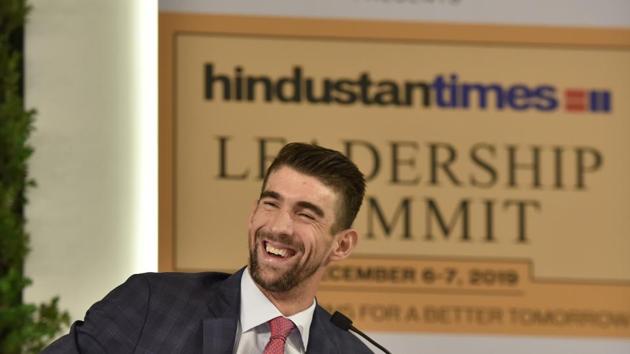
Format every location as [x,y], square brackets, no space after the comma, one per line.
[173,24]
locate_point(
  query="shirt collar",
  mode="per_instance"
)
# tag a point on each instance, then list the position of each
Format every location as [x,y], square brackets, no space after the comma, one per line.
[256,309]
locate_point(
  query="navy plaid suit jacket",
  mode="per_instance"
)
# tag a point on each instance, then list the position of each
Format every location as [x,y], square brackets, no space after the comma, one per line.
[180,313]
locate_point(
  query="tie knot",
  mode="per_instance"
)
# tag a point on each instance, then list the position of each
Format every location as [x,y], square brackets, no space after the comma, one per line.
[281,327]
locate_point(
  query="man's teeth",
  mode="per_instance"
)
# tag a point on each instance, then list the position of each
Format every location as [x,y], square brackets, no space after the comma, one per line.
[277,251]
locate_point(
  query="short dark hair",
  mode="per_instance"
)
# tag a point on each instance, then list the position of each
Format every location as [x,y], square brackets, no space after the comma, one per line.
[331,168]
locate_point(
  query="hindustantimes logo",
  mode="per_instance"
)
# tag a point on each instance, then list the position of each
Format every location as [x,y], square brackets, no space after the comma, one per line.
[444,91]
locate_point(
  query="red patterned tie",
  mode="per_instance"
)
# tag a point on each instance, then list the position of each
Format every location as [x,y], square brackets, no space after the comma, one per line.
[280,329]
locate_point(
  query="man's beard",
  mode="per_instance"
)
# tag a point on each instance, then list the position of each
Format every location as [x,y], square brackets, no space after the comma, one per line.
[291,278]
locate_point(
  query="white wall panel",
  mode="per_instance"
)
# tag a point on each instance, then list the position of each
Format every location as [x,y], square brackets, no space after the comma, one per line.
[92,215]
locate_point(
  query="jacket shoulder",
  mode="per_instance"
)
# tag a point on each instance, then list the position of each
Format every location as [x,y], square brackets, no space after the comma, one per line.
[172,280]
[136,309]
[166,291]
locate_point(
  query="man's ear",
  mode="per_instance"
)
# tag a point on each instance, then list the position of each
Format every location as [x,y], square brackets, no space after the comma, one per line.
[345,242]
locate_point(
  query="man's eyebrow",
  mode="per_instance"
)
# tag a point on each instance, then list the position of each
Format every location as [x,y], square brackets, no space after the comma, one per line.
[270,194]
[312,207]
[302,204]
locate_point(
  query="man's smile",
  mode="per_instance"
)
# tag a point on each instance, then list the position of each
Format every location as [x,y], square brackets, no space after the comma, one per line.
[278,250]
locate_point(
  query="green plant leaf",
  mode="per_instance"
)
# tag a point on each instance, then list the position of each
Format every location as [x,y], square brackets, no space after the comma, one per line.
[24,327]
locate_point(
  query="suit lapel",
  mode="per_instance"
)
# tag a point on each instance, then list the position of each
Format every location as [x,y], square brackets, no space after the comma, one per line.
[218,335]
[320,341]
[224,302]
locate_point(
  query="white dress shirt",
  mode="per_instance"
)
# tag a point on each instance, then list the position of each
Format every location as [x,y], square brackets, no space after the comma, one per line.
[252,332]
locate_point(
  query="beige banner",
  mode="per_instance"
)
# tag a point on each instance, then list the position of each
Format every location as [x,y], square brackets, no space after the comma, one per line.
[496,159]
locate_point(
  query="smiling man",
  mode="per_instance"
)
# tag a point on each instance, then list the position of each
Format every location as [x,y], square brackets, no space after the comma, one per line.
[301,222]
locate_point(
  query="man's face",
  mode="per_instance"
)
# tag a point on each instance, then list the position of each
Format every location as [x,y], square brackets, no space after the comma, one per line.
[289,230]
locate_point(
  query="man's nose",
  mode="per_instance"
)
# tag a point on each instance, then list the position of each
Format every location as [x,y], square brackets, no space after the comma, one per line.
[282,223]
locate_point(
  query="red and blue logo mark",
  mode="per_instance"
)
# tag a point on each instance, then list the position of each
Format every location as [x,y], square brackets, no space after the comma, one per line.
[580,100]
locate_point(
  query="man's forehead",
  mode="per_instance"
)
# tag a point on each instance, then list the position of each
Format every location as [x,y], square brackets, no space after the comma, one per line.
[288,183]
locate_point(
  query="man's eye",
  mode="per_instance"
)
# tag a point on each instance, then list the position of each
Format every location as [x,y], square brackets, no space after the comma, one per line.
[270,204]
[308,216]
